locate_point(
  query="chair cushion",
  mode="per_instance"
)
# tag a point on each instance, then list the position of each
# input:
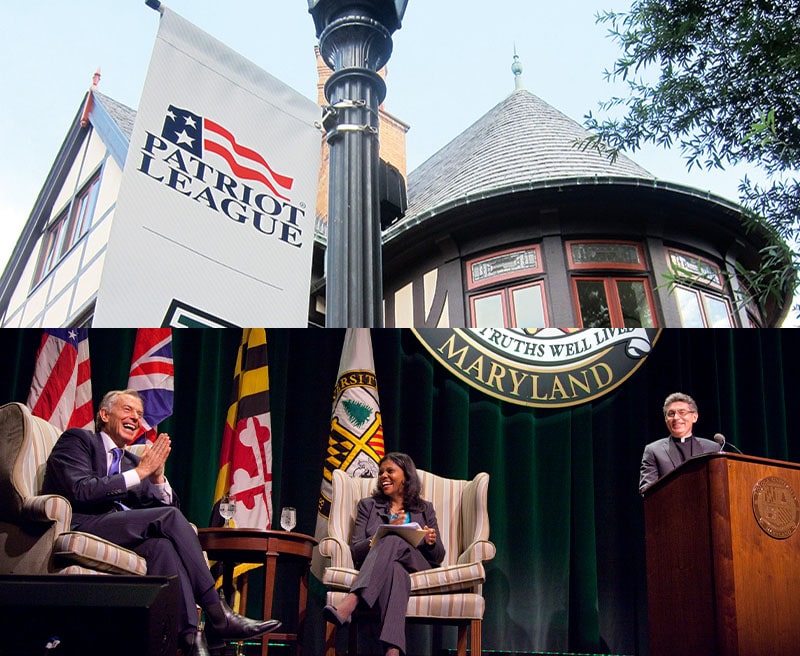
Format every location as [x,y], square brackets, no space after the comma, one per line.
[96,553]
[447,579]
[455,606]
[430,581]
[77,569]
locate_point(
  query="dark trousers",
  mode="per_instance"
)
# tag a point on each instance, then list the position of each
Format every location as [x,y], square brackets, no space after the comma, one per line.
[384,579]
[169,544]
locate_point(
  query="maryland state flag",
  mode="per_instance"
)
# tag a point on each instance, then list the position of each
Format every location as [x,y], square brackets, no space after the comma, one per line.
[355,442]
[245,462]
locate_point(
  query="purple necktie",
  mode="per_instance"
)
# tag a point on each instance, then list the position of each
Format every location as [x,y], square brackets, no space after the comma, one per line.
[115,458]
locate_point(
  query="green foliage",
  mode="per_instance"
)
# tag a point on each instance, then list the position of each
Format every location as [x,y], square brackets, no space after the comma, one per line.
[720,79]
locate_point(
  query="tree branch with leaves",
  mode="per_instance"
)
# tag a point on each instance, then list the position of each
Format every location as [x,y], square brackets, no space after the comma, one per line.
[720,80]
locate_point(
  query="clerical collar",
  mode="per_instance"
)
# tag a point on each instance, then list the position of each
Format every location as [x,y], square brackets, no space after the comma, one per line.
[682,440]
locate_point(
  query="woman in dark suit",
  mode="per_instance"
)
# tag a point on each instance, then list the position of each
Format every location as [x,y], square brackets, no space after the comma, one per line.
[383,579]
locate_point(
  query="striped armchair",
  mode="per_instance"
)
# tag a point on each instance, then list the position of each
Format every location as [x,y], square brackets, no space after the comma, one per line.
[450,594]
[35,535]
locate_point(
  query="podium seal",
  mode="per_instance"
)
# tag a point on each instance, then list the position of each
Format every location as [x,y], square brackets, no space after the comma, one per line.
[776,507]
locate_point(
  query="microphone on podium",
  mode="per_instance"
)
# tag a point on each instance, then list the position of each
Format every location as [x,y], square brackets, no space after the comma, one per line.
[719,438]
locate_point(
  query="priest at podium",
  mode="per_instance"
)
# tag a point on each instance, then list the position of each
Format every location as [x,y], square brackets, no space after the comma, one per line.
[664,455]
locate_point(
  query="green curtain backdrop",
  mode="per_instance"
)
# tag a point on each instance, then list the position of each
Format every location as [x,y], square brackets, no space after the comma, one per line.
[565,512]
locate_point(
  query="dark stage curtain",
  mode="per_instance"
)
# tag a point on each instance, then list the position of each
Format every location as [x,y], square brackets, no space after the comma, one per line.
[566,515]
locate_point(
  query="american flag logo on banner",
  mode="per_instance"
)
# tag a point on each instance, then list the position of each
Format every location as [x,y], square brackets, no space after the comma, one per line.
[196,135]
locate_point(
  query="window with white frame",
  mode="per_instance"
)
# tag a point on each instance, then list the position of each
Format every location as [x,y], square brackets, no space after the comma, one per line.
[67,229]
[699,291]
[506,289]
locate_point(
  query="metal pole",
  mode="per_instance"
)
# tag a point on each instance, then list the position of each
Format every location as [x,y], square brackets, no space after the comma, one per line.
[355,45]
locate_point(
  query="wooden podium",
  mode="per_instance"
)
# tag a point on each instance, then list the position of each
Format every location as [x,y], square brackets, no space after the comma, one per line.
[723,558]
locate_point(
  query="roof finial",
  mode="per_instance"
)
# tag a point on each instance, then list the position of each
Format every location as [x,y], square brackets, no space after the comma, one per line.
[87,106]
[516,68]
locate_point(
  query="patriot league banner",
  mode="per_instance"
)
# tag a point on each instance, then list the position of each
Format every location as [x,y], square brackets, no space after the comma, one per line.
[355,441]
[216,208]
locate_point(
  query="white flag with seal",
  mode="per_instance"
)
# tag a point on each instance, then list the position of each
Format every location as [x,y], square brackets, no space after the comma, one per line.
[355,440]
[216,209]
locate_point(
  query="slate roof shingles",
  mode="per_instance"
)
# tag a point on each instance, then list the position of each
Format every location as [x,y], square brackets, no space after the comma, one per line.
[521,140]
[123,116]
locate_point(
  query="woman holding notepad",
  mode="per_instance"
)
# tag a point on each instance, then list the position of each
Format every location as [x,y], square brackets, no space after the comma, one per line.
[395,533]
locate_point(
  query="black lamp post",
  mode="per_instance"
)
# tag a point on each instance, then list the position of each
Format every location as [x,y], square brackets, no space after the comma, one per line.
[355,41]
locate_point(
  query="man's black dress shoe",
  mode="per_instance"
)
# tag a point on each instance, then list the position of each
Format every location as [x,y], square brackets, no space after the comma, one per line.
[194,644]
[223,624]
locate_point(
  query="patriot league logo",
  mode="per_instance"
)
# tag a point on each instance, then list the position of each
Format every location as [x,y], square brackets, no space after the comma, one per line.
[202,160]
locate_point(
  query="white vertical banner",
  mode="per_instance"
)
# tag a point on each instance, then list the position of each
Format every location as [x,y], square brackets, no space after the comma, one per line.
[214,223]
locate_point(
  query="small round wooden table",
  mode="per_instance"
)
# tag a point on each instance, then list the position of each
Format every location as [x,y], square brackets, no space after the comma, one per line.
[248,545]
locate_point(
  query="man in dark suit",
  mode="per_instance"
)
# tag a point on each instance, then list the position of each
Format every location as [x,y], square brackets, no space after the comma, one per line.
[128,500]
[664,455]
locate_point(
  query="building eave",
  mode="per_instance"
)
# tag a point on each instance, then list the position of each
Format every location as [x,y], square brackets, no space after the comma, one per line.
[412,222]
[718,218]
[117,143]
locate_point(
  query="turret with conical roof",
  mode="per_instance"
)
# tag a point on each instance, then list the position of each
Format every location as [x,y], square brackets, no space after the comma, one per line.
[513,219]
[521,142]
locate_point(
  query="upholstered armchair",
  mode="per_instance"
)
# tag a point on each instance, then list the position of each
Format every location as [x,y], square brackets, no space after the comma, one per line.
[35,535]
[450,594]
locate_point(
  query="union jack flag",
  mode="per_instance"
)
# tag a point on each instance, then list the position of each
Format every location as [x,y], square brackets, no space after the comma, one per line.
[61,389]
[153,376]
[197,134]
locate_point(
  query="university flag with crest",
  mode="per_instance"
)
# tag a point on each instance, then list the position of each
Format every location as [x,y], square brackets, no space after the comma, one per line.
[61,389]
[153,376]
[245,461]
[355,441]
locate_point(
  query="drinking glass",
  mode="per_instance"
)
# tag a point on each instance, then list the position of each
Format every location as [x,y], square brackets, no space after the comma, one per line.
[227,508]
[288,518]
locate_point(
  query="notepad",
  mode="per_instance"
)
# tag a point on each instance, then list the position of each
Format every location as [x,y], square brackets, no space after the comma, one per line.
[412,533]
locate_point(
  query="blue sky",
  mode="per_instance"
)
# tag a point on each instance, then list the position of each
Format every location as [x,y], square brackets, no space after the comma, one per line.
[451,64]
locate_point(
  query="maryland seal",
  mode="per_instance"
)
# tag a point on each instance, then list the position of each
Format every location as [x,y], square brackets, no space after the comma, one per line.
[545,367]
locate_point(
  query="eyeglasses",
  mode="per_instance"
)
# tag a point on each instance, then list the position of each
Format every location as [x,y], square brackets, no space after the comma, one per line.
[679,413]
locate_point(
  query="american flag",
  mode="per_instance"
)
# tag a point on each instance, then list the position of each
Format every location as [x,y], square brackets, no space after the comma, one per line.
[61,390]
[196,134]
[153,376]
